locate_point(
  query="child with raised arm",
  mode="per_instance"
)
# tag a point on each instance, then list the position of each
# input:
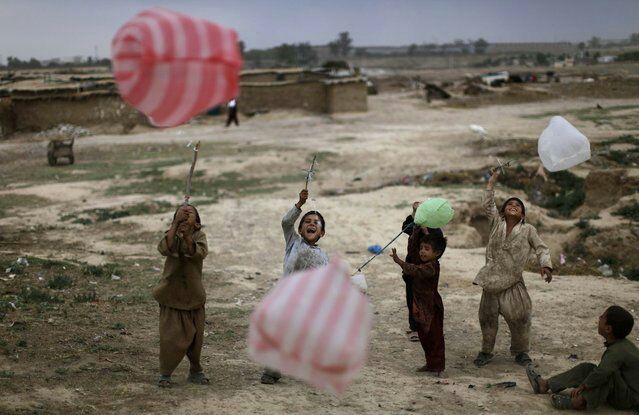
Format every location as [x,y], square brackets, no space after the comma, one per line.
[301,251]
[412,257]
[510,242]
[615,380]
[181,296]
[427,306]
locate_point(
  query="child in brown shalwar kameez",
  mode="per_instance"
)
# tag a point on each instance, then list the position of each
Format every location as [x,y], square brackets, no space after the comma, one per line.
[181,296]
[503,290]
[427,305]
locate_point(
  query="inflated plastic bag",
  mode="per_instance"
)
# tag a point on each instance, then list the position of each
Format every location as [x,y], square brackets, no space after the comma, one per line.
[561,146]
[315,326]
[359,281]
[171,66]
[434,212]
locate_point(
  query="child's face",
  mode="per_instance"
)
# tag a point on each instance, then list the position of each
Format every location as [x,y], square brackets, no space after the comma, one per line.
[426,252]
[311,229]
[513,209]
[603,328]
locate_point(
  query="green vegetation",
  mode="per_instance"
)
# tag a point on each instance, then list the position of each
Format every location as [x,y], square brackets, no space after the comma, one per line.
[86,297]
[35,296]
[570,194]
[629,212]
[105,270]
[60,282]
[9,202]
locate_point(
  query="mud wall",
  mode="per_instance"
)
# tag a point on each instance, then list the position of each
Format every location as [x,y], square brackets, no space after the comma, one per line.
[42,113]
[7,117]
[310,96]
[346,97]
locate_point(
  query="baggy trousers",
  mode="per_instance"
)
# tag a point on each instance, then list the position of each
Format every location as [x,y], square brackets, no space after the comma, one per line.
[615,391]
[432,340]
[412,324]
[515,306]
[181,333]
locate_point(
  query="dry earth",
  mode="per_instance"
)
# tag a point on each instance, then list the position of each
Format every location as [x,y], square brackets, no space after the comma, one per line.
[91,346]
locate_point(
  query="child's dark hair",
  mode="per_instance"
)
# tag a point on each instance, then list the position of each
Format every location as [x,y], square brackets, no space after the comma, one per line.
[518,200]
[312,212]
[197,214]
[620,320]
[438,243]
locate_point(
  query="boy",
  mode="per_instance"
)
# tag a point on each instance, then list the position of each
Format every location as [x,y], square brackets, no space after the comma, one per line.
[615,380]
[427,305]
[301,251]
[503,290]
[412,257]
[181,296]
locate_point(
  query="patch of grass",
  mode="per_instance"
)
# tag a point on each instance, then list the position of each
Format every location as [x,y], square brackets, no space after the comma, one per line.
[571,193]
[62,371]
[118,326]
[86,297]
[629,212]
[35,296]
[105,270]
[624,139]
[9,202]
[7,374]
[104,348]
[60,282]
[139,297]
[345,139]
[402,205]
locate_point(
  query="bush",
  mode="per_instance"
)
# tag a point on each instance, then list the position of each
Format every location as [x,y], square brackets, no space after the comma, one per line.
[630,212]
[36,296]
[60,282]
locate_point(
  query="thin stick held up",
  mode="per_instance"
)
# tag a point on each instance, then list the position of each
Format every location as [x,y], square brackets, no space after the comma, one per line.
[196,149]
[380,252]
[310,172]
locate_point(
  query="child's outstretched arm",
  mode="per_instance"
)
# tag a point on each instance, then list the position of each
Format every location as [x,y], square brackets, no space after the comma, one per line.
[543,254]
[408,225]
[288,221]
[489,195]
[418,271]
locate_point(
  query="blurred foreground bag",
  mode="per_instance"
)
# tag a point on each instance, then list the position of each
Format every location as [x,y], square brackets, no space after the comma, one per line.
[171,66]
[313,325]
[561,146]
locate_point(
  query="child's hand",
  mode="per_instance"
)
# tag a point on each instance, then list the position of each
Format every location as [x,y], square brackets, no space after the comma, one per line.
[415,206]
[393,255]
[303,197]
[184,229]
[181,216]
[546,274]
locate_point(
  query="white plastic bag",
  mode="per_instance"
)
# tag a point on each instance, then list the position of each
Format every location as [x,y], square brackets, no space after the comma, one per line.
[359,281]
[315,326]
[561,146]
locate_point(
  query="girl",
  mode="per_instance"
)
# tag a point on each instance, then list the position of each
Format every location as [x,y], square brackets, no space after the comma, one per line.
[301,251]
[181,296]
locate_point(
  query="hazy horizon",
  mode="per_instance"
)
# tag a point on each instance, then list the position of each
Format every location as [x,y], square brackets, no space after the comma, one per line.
[47,29]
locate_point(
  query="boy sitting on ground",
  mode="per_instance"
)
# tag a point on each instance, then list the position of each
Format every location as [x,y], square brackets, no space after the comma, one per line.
[615,380]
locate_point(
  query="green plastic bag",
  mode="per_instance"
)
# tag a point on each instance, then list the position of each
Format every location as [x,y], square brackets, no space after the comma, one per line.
[434,213]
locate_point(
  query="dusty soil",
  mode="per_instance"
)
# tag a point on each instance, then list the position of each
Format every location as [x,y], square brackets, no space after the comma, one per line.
[76,339]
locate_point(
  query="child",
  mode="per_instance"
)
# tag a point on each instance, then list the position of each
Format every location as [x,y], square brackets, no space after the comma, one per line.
[615,380]
[509,245]
[181,296]
[412,257]
[427,305]
[301,251]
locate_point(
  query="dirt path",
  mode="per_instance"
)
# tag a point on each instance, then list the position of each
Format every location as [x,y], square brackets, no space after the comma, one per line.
[100,355]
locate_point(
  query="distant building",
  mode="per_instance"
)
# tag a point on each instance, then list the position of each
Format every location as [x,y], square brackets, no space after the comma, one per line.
[606,59]
[565,63]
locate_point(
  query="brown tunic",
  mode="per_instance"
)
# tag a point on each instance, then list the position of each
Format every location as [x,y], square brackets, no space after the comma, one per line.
[181,285]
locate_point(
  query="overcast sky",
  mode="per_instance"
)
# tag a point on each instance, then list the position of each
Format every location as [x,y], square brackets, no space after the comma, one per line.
[64,28]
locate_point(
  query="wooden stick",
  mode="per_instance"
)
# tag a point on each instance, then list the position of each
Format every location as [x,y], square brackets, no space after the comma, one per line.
[187,196]
[310,172]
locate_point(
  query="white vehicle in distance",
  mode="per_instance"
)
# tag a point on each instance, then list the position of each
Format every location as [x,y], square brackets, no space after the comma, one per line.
[495,78]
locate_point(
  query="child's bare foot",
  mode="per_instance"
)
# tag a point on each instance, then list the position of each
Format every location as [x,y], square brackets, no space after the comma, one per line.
[423,369]
[430,372]
[539,384]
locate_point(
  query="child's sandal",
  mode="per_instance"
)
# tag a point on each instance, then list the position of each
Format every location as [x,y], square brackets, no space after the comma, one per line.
[165,381]
[198,378]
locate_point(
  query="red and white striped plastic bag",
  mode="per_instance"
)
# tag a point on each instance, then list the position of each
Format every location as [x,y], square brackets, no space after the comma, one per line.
[171,66]
[313,325]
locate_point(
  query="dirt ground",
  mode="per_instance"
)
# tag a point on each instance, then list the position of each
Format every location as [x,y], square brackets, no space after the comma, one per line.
[78,327]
